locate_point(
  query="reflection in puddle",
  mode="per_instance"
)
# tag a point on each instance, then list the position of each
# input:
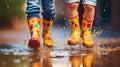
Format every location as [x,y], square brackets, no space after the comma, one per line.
[20,56]
[74,60]
[47,60]
[35,59]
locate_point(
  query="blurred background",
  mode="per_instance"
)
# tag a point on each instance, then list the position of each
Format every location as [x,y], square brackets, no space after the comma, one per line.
[107,14]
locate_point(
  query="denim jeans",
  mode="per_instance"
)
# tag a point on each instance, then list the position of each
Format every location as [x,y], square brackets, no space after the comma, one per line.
[91,2]
[48,8]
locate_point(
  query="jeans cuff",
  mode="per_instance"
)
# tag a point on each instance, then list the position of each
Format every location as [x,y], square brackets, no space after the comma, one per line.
[90,3]
[33,15]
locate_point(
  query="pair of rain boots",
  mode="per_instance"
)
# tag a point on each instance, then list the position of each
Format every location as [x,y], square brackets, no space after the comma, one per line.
[34,26]
[75,35]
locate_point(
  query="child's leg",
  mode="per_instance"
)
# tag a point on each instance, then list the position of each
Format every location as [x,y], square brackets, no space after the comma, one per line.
[48,17]
[32,11]
[72,7]
[89,11]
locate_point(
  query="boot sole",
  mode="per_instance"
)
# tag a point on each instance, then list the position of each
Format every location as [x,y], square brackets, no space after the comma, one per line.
[48,46]
[73,43]
[88,45]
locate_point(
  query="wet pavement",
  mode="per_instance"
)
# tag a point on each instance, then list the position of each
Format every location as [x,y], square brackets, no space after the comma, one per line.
[15,53]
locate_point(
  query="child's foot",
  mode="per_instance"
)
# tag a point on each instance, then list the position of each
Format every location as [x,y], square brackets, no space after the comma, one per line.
[87,40]
[86,33]
[34,26]
[47,41]
[74,38]
[34,42]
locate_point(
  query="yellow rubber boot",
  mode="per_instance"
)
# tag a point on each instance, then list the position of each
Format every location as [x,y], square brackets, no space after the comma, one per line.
[47,39]
[74,38]
[86,33]
[34,26]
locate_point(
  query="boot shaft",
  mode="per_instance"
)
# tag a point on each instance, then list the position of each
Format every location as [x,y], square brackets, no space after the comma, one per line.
[74,24]
[34,25]
[86,26]
[47,25]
